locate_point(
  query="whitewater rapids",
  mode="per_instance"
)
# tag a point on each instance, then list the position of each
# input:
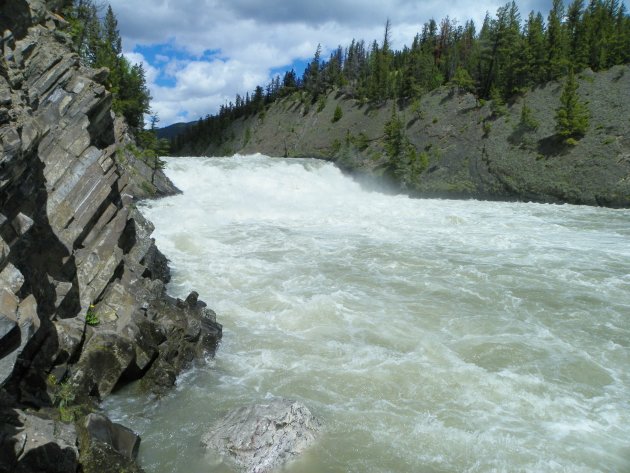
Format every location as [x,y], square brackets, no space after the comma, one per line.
[428,335]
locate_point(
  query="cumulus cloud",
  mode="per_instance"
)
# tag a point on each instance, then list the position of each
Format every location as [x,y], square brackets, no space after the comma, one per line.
[207,51]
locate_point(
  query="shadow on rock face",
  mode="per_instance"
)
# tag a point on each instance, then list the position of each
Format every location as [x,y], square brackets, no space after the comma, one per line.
[34,442]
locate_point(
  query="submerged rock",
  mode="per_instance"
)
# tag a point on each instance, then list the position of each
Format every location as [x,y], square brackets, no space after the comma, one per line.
[262,437]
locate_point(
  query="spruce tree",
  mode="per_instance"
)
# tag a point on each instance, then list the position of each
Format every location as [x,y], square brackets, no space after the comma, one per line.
[394,136]
[337,114]
[311,78]
[536,49]
[572,116]
[578,49]
[556,42]
[462,80]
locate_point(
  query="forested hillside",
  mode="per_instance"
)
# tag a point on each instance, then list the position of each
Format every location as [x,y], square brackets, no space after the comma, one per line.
[508,55]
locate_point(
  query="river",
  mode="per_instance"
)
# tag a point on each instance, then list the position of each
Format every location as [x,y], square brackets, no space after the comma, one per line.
[427,335]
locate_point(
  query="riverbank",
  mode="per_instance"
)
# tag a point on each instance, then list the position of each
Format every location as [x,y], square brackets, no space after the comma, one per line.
[473,149]
[83,306]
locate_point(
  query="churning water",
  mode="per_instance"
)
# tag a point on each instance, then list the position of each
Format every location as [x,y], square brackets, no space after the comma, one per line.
[428,335]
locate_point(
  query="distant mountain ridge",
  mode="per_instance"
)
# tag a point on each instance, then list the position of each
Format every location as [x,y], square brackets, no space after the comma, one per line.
[171,131]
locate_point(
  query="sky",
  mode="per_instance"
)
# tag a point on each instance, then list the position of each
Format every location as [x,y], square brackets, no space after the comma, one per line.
[198,54]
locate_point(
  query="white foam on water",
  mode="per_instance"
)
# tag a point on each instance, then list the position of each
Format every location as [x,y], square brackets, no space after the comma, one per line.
[429,335]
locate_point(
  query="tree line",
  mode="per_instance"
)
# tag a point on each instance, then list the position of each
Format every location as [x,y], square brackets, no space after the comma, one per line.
[508,55]
[97,40]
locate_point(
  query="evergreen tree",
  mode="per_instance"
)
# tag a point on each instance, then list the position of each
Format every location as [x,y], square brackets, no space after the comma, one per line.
[556,42]
[312,79]
[512,54]
[99,45]
[527,121]
[462,80]
[338,114]
[394,135]
[578,47]
[535,50]
[379,88]
[572,116]
[290,80]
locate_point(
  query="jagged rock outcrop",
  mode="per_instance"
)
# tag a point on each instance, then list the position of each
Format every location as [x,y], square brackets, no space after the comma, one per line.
[146,178]
[36,442]
[262,437]
[83,307]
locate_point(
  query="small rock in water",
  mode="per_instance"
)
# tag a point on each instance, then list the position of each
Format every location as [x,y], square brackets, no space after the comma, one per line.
[263,437]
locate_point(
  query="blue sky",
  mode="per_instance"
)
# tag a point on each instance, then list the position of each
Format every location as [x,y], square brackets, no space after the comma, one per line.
[198,54]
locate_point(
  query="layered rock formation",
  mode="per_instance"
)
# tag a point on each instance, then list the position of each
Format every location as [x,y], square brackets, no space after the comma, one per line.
[83,307]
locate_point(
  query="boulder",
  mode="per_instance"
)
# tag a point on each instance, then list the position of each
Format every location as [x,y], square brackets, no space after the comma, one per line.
[123,440]
[262,437]
[107,447]
[11,278]
[36,443]
[103,361]
[190,330]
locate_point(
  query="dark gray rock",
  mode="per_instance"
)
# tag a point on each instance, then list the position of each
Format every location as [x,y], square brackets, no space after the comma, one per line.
[190,331]
[70,337]
[25,325]
[156,264]
[147,179]
[123,440]
[69,239]
[9,342]
[107,447]
[104,360]
[263,437]
[34,443]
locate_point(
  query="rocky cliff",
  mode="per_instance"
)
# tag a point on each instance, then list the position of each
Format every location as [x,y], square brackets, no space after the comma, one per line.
[83,307]
[474,149]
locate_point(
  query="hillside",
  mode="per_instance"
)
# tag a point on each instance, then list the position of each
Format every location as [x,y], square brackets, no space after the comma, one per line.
[472,151]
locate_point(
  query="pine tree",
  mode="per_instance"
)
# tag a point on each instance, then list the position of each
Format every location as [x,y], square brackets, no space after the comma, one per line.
[578,50]
[535,50]
[512,58]
[337,114]
[312,79]
[462,80]
[380,57]
[290,80]
[527,121]
[394,135]
[556,42]
[572,116]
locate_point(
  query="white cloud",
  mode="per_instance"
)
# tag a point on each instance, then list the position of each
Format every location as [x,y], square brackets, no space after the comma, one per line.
[252,37]
[151,73]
